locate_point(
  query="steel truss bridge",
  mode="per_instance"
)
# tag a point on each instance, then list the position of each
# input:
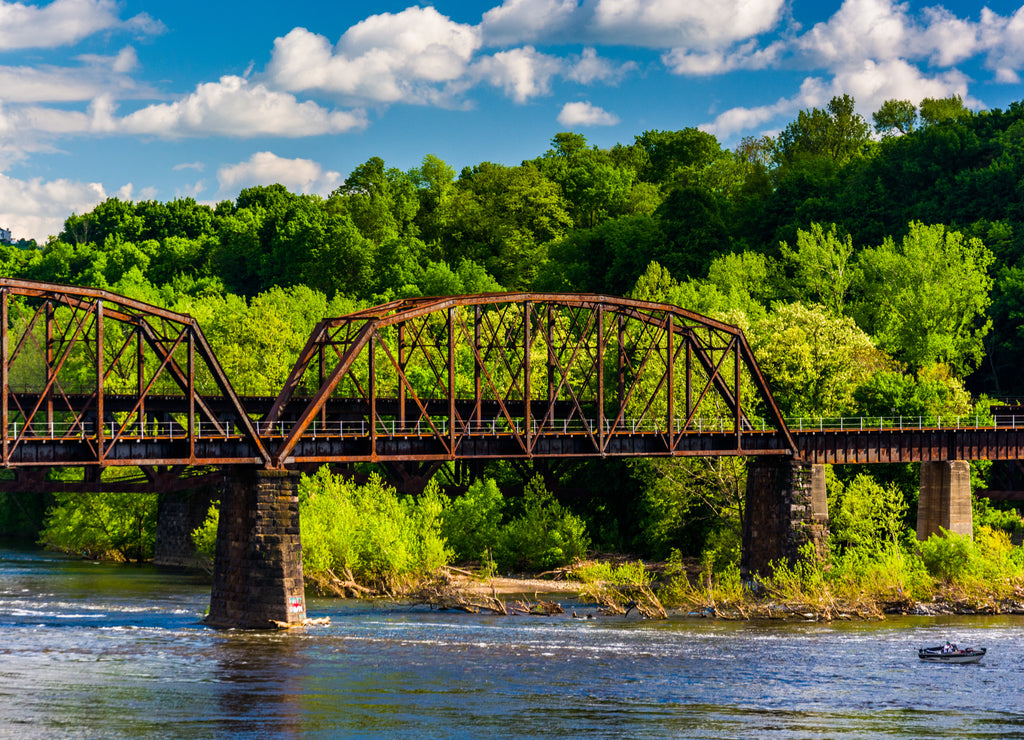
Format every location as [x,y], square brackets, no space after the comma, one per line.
[95,380]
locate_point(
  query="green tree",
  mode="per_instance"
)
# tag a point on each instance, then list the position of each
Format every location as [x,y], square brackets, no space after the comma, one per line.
[895,117]
[937,110]
[118,526]
[838,133]
[821,266]
[813,361]
[924,300]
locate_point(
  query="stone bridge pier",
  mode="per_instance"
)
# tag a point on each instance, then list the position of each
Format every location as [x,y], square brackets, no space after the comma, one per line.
[786,507]
[944,499]
[257,569]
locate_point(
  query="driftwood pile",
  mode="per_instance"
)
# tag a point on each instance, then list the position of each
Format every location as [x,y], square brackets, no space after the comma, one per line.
[441,592]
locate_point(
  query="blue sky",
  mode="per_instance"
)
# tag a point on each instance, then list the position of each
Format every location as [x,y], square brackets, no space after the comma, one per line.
[146,100]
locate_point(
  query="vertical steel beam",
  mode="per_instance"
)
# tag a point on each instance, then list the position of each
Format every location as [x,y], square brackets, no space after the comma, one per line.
[600,379]
[322,368]
[100,452]
[451,381]
[527,341]
[5,376]
[48,352]
[140,378]
[736,393]
[671,383]
[477,385]
[550,332]
[372,388]
[401,374]
[191,371]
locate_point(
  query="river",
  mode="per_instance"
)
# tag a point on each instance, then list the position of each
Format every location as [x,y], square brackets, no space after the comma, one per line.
[91,650]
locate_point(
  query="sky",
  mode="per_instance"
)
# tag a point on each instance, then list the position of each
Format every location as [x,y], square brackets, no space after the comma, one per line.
[157,101]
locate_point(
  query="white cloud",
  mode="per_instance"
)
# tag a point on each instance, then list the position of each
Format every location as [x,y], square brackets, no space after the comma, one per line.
[873,83]
[266,168]
[700,64]
[657,24]
[35,209]
[100,75]
[522,73]
[586,114]
[64,22]
[870,85]
[407,56]
[591,68]
[235,107]
[672,24]
[1003,39]
[521,21]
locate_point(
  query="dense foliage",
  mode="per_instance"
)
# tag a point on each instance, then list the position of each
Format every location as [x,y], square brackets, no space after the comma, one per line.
[874,273]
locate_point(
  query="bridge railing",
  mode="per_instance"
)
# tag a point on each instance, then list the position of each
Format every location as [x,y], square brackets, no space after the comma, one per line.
[67,431]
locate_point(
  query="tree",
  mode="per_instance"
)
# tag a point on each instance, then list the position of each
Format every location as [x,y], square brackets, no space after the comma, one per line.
[937,110]
[924,300]
[895,117]
[821,266]
[838,133]
[813,361]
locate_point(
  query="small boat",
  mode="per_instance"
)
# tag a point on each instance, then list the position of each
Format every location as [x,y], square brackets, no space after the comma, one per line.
[950,653]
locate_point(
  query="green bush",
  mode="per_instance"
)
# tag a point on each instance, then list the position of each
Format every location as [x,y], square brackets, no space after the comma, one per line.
[383,540]
[545,535]
[472,521]
[204,537]
[115,526]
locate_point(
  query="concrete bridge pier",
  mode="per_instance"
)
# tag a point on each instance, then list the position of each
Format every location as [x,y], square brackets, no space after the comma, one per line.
[786,507]
[257,569]
[945,499]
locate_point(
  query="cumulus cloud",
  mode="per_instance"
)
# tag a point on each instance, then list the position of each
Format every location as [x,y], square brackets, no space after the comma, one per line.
[870,84]
[235,107]
[656,24]
[522,73]
[406,56]
[672,24]
[36,209]
[266,168]
[586,114]
[591,68]
[521,21]
[64,22]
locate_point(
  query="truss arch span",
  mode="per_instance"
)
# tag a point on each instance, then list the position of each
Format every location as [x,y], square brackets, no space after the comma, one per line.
[525,375]
[90,377]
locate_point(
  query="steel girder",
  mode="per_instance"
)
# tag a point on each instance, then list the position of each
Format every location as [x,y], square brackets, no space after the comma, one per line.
[507,375]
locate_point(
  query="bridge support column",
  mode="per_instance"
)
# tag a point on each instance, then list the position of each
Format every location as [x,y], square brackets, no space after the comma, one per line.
[786,507]
[945,499]
[257,569]
[178,513]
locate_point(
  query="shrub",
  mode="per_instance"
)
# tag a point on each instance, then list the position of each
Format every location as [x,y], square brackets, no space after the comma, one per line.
[382,539]
[472,521]
[115,526]
[545,535]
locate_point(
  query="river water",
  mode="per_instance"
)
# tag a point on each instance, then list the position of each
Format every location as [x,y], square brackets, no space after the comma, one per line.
[101,651]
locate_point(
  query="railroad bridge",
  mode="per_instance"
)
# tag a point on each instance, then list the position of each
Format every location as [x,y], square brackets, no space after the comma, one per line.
[94,380]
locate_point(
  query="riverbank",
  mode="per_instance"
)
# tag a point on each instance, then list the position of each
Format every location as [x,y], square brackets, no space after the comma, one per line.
[948,601]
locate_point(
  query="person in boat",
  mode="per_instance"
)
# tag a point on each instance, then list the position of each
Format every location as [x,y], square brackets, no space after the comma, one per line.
[949,648]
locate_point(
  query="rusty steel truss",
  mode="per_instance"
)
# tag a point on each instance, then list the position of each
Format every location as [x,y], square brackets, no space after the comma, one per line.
[90,378]
[97,381]
[523,375]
